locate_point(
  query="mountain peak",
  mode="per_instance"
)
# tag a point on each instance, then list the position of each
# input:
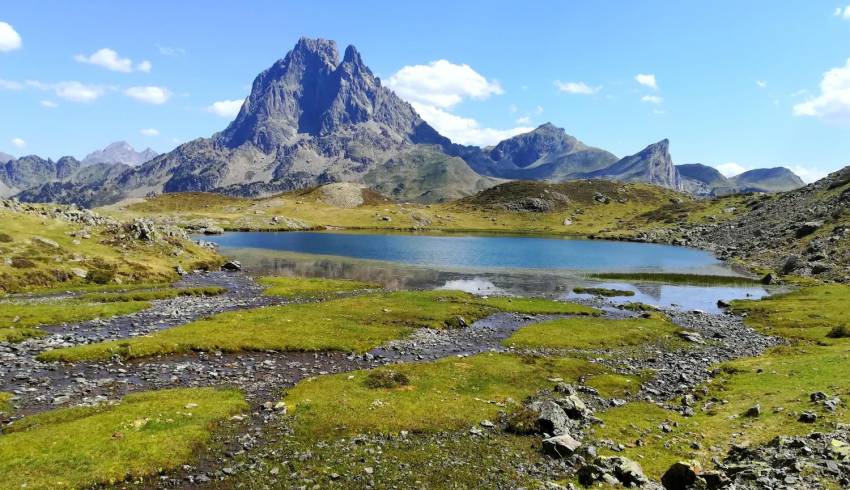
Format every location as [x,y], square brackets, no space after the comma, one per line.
[322,49]
[119,152]
[352,55]
[310,93]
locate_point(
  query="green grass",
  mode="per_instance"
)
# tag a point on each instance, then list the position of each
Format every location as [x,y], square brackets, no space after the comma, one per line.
[592,333]
[612,385]
[141,435]
[311,287]
[19,319]
[808,314]
[674,278]
[152,295]
[782,378]
[6,402]
[608,293]
[445,395]
[355,324]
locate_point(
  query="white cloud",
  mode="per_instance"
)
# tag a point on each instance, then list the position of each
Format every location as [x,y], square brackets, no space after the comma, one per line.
[833,102]
[462,129]
[49,104]
[10,85]
[77,92]
[844,13]
[647,80]
[111,60]
[577,88]
[441,84]
[524,121]
[652,99]
[18,142]
[149,132]
[808,174]
[226,108]
[10,40]
[761,84]
[149,95]
[730,169]
[435,88]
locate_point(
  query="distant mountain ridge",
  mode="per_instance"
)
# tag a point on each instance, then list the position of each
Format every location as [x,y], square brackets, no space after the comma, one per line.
[312,118]
[702,179]
[119,152]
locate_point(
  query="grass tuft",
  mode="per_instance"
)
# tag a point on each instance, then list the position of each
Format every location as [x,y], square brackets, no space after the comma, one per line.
[311,287]
[592,333]
[608,293]
[674,278]
[87,446]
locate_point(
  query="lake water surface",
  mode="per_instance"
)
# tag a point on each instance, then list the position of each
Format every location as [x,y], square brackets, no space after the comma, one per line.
[511,252]
[484,265]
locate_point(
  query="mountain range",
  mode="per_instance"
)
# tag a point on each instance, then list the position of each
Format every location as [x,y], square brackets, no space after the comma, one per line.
[313,119]
[33,173]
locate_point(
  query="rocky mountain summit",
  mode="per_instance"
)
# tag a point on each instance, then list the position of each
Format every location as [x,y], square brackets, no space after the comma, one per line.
[119,152]
[653,165]
[546,153]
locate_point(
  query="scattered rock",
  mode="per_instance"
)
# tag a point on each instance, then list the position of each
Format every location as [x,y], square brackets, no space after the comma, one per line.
[560,446]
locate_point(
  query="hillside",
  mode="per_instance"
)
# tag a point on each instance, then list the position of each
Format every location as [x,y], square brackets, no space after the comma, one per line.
[571,208]
[60,246]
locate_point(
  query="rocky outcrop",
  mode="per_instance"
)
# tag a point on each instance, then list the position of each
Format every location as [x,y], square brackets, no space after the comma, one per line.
[652,165]
[30,171]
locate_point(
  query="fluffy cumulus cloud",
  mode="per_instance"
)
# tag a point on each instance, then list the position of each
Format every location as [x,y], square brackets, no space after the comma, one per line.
[149,132]
[10,40]
[580,88]
[225,108]
[463,129]
[441,84]
[833,102]
[436,88]
[109,59]
[730,169]
[18,142]
[149,95]
[647,80]
[843,12]
[652,99]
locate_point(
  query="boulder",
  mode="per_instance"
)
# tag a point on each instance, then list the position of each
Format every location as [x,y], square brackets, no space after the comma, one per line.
[560,446]
[551,418]
[808,228]
[573,406]
[232,266]
[681,475]
[213,230]
[769,279]
[790,264]
[616,470]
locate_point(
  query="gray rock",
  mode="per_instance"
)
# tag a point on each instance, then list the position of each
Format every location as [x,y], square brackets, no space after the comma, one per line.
[560,446]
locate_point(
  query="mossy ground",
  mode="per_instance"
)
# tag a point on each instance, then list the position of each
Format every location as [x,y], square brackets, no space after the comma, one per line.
[311,287]
[354,324]
[809,313]
[20,319]
[42,253]
[449,394]
[592,333]
[86,446]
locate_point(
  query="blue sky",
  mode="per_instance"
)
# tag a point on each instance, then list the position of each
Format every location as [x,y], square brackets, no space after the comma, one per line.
[741,83]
